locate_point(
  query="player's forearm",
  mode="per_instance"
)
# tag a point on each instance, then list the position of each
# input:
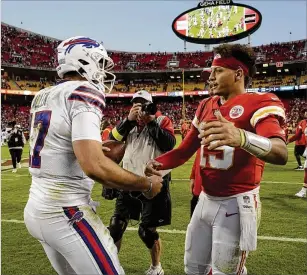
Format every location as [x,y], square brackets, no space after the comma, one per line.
[271,150]
[183,153]
[108,171]
[278,154]
[103,170]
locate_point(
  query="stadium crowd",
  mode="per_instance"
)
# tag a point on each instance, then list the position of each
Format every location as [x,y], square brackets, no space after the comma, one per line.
[26,49]
[117,110]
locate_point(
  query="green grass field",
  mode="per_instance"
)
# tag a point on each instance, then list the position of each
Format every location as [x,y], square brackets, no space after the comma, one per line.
[282,235]
[193,30]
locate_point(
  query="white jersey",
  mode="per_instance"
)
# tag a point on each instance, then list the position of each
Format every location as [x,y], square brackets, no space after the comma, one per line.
[57,178]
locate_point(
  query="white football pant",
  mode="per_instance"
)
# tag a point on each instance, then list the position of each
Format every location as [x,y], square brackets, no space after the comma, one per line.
[212,238]
[74,239]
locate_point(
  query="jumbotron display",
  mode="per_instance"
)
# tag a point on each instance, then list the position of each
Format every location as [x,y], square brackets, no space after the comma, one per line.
[213,23]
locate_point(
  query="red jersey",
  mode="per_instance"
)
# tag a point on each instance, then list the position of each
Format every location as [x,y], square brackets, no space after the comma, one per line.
[228,171]
[300,133]
[195,175]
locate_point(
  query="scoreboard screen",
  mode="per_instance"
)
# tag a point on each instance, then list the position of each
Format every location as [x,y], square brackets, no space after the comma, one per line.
[217,23]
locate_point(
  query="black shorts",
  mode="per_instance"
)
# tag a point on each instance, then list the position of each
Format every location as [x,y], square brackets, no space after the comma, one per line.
[299,149]
[153,213]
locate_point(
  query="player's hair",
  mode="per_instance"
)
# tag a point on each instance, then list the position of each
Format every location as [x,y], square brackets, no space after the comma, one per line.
[243,53]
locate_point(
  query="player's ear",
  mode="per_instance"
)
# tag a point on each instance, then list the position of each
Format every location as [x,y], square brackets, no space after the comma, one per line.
[239,75]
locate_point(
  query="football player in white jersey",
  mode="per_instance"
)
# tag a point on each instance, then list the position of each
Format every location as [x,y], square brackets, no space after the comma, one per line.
[66,157]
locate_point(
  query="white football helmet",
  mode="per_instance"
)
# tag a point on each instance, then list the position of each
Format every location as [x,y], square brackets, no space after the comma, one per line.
[89,58]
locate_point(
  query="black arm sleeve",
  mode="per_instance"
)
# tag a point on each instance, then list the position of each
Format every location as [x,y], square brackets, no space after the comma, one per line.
[163,138]
[122,130]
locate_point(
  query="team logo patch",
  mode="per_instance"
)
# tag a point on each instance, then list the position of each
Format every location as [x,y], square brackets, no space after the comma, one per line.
[77,217]
[236,111]
[246,199]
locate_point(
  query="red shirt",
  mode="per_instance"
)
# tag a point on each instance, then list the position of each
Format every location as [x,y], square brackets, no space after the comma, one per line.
[229,171]
[105,133]
[300,133]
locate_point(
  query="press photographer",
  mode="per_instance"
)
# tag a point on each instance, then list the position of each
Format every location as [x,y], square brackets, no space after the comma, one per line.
[147,134]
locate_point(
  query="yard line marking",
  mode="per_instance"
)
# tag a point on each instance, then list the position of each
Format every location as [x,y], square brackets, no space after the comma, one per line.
[182,232]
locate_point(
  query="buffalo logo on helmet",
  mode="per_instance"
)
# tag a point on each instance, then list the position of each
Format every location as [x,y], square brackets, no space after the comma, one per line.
[84,41]
[236,111]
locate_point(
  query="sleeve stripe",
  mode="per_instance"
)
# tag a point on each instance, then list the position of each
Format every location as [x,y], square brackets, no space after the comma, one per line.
[91,97]
[90,91]
[116,134]
[87,100]
[195,122]
[265,112]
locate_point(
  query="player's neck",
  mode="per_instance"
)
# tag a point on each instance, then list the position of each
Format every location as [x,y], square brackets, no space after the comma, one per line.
[74,78]
[234,93]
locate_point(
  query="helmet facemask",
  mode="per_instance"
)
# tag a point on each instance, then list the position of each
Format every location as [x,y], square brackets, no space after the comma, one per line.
[97,71]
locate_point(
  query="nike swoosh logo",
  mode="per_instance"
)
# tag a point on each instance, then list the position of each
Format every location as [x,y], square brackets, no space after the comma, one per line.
[228,215]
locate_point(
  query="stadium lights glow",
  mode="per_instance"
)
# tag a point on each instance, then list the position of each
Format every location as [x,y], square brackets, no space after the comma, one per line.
[178,76]
[172,76]
[265,65]
[286,70]
[279,71]
[191,76]
[264,72]
[257,72]
[198,76]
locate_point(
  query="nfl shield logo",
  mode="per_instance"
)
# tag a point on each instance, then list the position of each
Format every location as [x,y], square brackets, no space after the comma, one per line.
[246,199]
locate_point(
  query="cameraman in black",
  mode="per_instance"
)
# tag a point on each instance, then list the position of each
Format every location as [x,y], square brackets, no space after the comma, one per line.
[147,134]
[16,142]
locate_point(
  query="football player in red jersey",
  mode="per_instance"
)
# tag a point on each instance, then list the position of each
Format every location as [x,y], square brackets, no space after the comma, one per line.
[300,142]
[237,132]
[301,150]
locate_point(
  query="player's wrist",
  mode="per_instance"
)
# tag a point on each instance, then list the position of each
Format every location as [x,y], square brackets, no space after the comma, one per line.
[254,144]
[149,186]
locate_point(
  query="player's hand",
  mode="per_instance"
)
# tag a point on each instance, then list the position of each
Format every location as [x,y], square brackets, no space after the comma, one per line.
[134,112]
[191,185]
[105,149]
[152,168]
[156,187]
[220,132]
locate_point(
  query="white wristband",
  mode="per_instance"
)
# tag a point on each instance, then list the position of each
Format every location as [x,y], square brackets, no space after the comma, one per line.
[256,145]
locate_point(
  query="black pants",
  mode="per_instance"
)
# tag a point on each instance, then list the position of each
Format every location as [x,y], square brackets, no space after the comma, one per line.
[194,201]
[16,156]
[298,152]
[153,213]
